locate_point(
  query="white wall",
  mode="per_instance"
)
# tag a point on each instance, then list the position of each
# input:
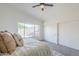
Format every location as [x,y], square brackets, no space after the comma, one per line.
[50,31]
[9,17]
[69,34]
[68,17]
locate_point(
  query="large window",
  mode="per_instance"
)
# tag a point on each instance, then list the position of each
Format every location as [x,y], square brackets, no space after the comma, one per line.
[28,30]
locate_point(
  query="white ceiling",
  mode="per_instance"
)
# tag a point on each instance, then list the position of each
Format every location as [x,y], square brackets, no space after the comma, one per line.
[60,12]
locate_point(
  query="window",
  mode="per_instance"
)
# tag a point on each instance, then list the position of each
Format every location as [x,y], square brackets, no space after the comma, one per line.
[21,29]
[28,30]
[37,30]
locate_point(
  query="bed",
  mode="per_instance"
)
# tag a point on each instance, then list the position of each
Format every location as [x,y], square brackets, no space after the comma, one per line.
[32,47]
[12,44]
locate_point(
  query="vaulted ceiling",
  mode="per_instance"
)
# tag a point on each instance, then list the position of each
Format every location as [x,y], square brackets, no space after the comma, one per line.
[60,12]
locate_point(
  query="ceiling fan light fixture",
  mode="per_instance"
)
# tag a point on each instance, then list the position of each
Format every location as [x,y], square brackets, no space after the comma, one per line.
[42,7]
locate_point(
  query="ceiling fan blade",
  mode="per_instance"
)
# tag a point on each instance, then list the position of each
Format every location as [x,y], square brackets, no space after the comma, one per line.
[35,6]
[49,5]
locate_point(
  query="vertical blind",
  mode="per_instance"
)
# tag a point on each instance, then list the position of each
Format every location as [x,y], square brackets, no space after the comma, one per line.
[28,30]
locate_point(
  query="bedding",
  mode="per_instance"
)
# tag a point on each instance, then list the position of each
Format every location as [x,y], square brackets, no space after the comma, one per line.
[7,43]
[32,47]
[18,39]
[15,45]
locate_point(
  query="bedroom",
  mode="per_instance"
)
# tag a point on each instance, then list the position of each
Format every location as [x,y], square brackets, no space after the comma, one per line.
[57,26]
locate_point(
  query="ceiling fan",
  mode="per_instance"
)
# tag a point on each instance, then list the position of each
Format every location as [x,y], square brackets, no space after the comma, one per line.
[42,5]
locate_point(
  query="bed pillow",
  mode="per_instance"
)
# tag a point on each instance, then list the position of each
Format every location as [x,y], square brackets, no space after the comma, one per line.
[2,46]
[8,42]
[18,43]
[18,39]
